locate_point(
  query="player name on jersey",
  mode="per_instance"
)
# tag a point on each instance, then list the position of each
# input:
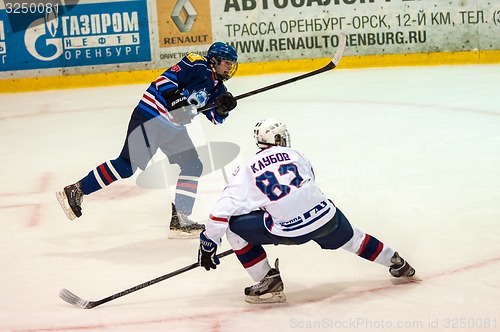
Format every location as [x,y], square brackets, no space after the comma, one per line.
[268,160]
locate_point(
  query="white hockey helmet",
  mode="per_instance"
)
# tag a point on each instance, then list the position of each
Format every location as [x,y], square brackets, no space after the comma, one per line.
[269,132]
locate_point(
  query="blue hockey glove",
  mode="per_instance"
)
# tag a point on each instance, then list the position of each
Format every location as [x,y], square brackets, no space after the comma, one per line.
[227,103]
[207,254]
[178,106]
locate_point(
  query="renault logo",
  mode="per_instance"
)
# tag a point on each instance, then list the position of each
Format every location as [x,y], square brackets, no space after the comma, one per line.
[186,9]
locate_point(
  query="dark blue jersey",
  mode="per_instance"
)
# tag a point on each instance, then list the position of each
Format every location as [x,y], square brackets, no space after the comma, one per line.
[193,73]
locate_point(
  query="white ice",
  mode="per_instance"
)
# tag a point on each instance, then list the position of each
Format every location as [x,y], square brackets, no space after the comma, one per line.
[410,155]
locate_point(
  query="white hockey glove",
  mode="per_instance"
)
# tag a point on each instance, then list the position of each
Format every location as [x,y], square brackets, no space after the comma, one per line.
[198,98]
[183,109]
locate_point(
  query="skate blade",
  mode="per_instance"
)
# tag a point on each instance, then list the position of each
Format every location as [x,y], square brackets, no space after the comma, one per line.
[414,278]
[274,297]
[61,198]
[178,234]
[406,280]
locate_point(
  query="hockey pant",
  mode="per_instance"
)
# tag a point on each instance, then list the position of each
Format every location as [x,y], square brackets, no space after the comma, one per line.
[246,235]
[144,137]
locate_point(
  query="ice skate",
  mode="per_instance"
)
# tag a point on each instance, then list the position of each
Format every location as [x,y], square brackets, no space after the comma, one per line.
[401,269]
[70,199]
[268,290]
[181,227]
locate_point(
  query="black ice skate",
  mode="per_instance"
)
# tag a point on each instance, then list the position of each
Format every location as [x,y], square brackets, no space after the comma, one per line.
[181,227]
[401,269]
[268,290]
[70,199]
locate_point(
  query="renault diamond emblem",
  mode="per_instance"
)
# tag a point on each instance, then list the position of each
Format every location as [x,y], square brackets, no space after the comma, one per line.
[183,8]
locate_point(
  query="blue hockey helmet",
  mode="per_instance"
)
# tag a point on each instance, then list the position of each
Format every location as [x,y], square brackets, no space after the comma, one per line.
[219,52]
[222,51]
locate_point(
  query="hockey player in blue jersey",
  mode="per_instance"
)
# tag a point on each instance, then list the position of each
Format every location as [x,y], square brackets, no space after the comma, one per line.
[159,121]
[272,198]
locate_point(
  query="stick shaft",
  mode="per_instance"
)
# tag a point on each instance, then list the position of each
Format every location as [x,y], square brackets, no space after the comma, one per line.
[81,303]
[331,65]
[156,280]
[288,81]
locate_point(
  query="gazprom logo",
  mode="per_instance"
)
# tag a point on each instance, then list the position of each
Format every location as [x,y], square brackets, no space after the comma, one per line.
[45,30]
[183,15]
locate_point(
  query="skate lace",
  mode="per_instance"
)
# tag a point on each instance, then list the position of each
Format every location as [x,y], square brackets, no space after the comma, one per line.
[76,194]
[266,282]
[400,267]
[193,227]
[182,222]
[185,222]
[79,197]
[397,261]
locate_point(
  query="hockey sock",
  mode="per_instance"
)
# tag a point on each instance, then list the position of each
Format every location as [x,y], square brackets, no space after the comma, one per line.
[187,185]
[105,174]
[369,247]
[254,260]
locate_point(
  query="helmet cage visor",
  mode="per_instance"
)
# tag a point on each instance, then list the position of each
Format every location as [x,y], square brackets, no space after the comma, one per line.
[225,76]
[282,139]
[270,132]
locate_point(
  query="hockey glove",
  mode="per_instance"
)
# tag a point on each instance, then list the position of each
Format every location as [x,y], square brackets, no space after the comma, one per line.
[207,253]
[227,103]
[178,107]
[198,98]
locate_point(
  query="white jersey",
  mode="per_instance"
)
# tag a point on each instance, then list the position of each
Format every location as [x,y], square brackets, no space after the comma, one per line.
[280,181]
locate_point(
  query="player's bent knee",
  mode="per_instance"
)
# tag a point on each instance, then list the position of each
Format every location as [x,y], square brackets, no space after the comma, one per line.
[193,167]
[123,167]
[235,241]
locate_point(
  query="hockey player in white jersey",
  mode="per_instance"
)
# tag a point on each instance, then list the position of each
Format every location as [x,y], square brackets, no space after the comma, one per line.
[272,198]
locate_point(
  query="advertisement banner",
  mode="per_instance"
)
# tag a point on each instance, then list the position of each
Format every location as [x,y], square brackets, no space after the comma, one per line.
[273,30]
[36,35]
[181,24]
[65,37]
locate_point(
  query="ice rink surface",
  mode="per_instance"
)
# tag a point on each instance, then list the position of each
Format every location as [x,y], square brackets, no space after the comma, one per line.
[410,155]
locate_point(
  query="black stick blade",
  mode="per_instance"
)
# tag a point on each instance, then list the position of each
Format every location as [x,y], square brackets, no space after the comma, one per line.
[77,301]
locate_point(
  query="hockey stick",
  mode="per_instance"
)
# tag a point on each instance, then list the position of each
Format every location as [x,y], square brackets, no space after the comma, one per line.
[331,65]
[77,301]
